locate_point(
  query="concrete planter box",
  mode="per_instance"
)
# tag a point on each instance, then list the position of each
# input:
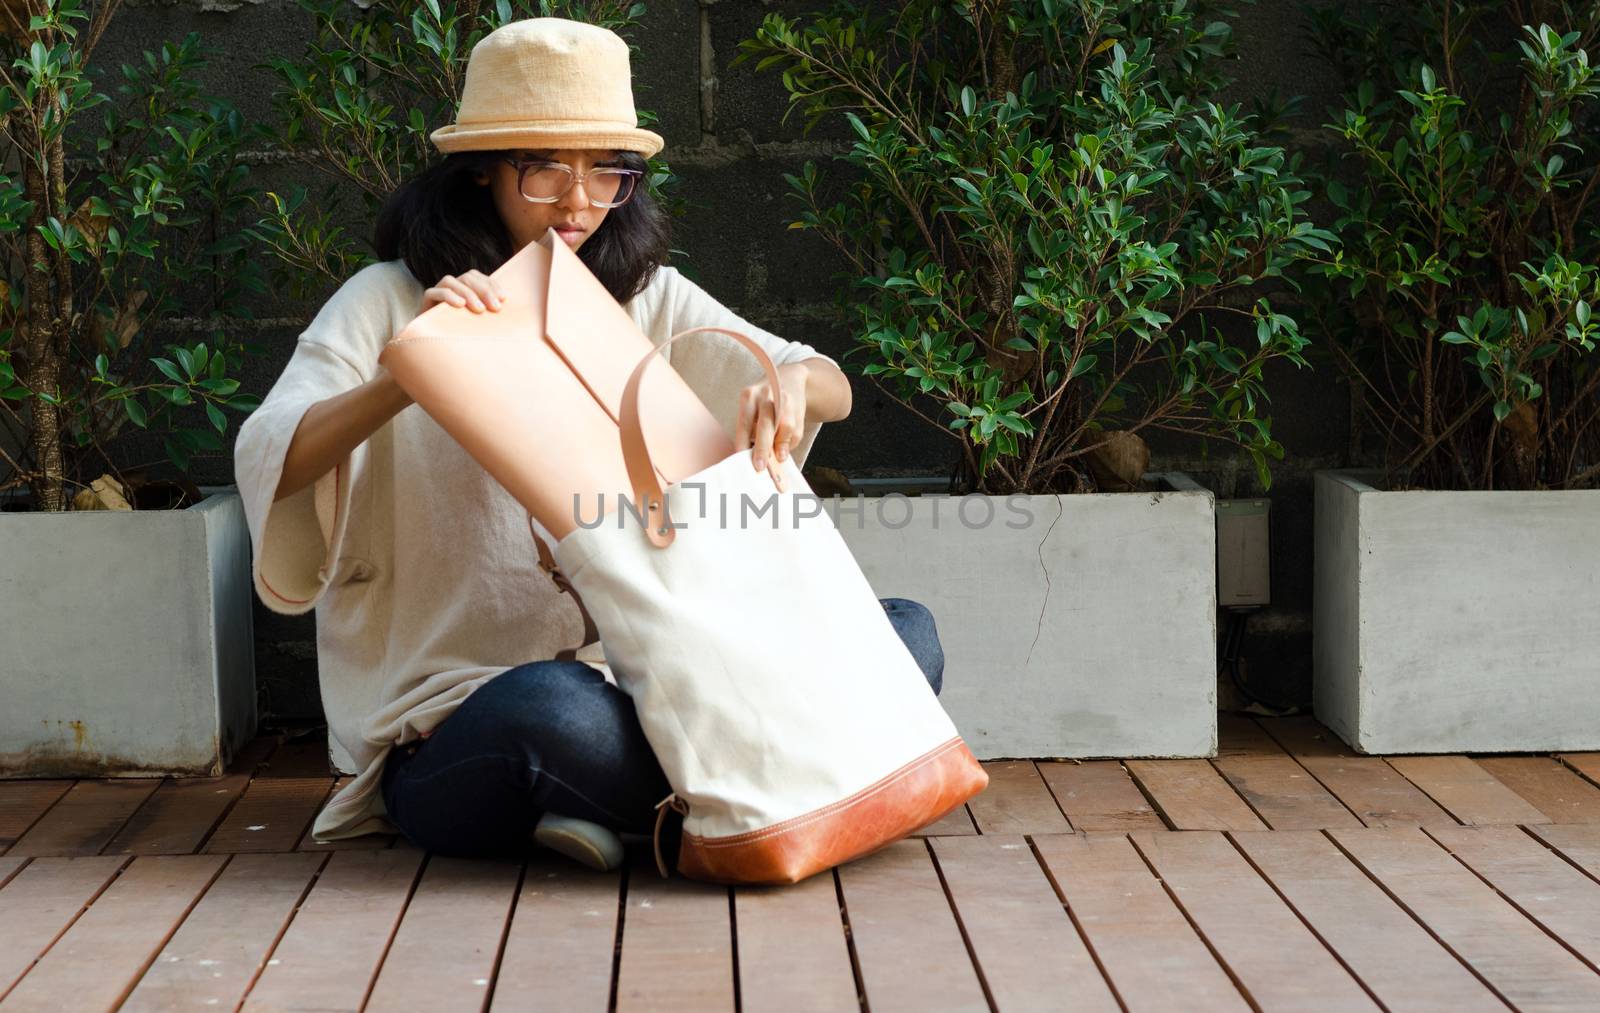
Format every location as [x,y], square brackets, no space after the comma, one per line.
[1073,625]
[135,658]
[1450,622]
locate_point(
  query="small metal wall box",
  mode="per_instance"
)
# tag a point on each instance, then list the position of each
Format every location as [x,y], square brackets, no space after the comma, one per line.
[1244,552]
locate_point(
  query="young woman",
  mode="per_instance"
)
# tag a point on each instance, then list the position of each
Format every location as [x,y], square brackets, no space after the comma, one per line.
[437,634]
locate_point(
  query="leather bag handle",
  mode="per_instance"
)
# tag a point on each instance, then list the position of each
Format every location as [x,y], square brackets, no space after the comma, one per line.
[636,454]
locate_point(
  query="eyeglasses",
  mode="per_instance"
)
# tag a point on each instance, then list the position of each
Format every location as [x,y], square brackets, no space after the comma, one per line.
[544,182]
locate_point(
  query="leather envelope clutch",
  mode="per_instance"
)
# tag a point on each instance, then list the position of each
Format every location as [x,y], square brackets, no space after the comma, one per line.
[533,391]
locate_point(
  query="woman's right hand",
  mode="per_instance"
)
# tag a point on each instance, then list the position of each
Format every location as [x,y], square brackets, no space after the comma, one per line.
[474,290]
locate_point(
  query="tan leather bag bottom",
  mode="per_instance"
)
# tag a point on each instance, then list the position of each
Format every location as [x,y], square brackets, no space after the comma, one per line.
[902,803]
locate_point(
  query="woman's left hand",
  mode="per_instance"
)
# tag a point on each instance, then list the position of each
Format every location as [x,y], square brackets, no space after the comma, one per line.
[759,426]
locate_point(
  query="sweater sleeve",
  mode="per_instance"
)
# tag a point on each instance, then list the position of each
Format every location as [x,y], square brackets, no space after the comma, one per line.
[298,542]
[716,366]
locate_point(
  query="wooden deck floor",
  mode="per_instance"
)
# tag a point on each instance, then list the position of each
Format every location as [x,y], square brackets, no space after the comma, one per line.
[1285,874]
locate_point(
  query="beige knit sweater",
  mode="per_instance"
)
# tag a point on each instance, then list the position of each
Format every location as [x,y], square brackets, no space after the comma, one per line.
[420,567]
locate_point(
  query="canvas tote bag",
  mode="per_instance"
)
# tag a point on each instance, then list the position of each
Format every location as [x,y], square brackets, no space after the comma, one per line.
[795,727]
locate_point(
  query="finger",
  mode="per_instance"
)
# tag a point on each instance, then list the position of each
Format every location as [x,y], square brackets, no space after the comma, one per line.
[474,303]
[775,469]
[445,295]
[486,292]
[483,285]
[783,439]
[741,427]
[765,424]
[482,281]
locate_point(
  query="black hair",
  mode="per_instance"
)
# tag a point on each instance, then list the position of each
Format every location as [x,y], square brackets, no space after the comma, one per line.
[443,221]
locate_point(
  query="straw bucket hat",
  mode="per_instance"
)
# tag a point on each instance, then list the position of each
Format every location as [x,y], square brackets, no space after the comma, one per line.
[547,83]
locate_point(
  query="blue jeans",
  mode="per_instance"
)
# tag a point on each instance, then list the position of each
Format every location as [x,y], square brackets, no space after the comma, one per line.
[554,736]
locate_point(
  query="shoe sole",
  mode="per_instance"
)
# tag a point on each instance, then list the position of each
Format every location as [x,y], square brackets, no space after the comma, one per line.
[576,846]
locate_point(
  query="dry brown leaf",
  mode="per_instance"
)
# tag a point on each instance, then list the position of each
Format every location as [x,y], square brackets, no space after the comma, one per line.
[94,227]
[1120,464]
[123,327]
[1522,423]
[104,493]
[826,481]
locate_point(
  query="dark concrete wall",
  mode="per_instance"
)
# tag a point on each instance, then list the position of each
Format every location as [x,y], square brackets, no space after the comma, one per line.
[726,138]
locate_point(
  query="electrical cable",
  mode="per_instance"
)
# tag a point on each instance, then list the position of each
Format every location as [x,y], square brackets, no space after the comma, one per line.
[1232,642]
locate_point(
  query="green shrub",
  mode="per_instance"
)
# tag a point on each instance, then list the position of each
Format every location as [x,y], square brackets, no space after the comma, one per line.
[1051,223]
[1461,307]
[106,235]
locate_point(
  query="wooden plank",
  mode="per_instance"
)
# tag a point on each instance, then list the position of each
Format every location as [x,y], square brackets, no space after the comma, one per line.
[86,817]
[1579,843]
[1282,793]
[1240,735]
[1376,792]
[792,949]
[1466,790]
[444,955]
[332,949]
[304,755]
[677,942]
[1587,764]
[9,867]
[106,950]
[251,758]
[559,952]
[40,901]
[1548,786]
[1191,795]
[176,818]
[957,822]
[1519,961]
[1099,795]
[1275,959]
[1536,880]
[1381,944]
[21,805]
[1032,956]
[1016,801]
[907,941]
[1144,944]
[1302,735]
[217,951]
[270,816]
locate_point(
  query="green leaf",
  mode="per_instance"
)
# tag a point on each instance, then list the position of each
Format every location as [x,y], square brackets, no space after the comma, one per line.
[171,371]
[860,128]
[176,453]
[135,411]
